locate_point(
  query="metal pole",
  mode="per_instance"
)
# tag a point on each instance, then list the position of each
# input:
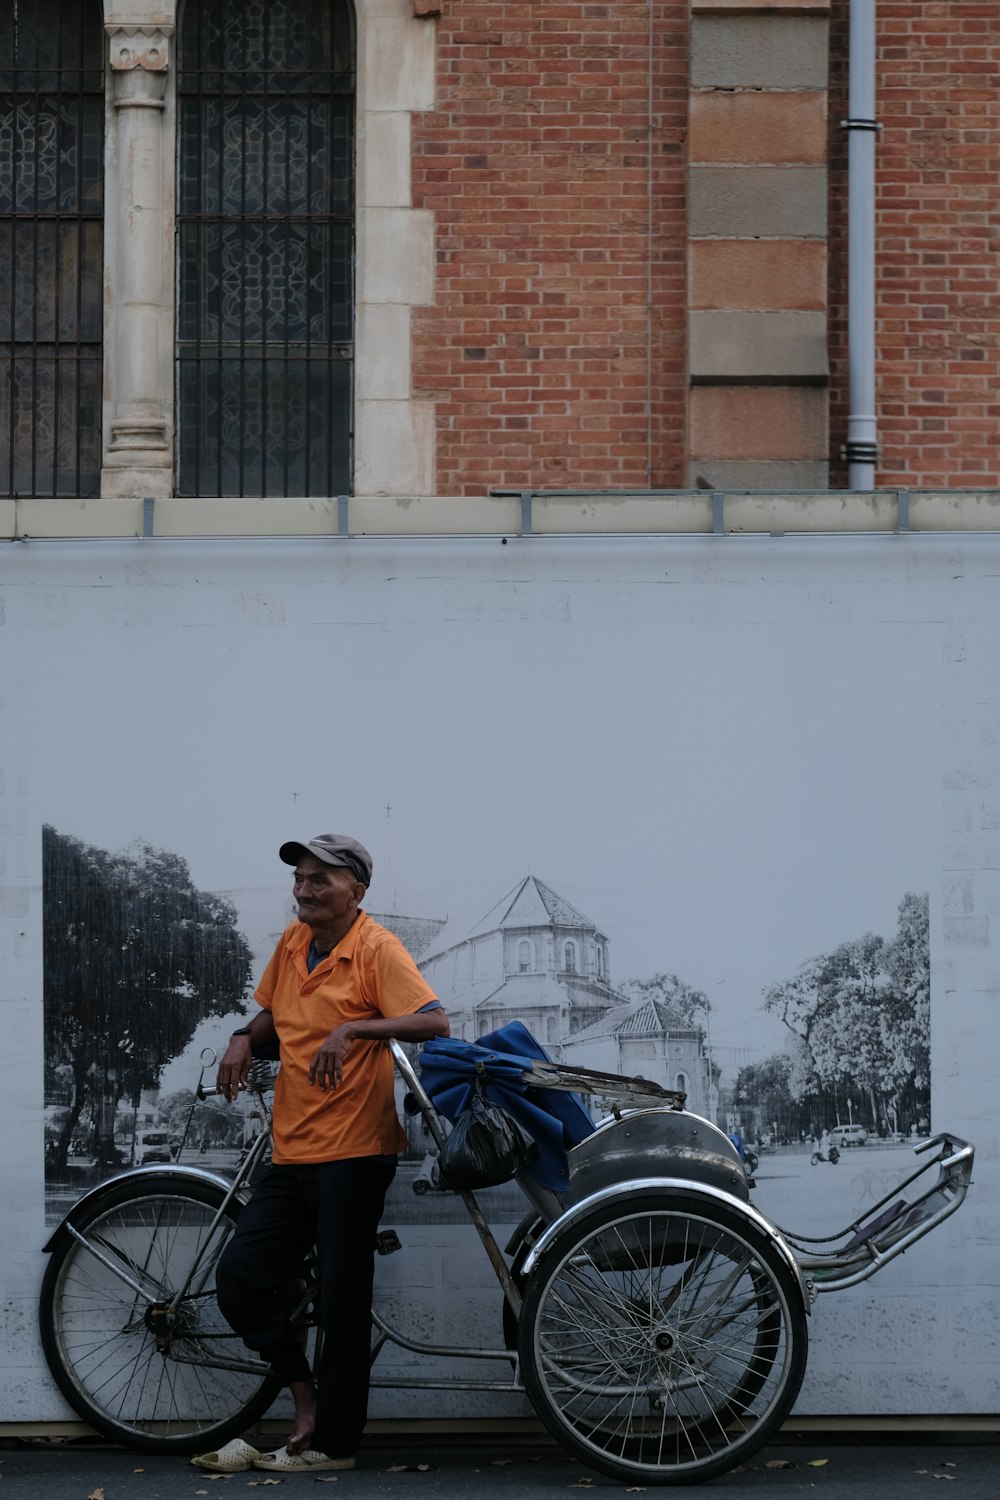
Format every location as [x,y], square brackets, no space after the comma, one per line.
[862,446]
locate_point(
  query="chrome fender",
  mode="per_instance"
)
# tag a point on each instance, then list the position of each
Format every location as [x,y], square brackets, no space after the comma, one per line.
[664,1186]
[136,1174]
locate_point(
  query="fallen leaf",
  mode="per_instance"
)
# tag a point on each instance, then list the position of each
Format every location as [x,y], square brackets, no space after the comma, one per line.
[96,1495]
[639,1489]
[498,1463]
[251,1481]
[945,1476]
[779,1463]
[412,1469]
[582,1484]
[817,1463]
[949,1465]
[138,1471]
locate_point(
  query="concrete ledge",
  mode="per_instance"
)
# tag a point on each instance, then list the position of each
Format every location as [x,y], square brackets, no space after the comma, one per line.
[799,476]
[655,512]
[904,1426]
[760,7]
[744,202]
[729,347]
[754,49]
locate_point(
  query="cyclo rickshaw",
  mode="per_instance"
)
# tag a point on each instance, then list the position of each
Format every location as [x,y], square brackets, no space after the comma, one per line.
[656,1320]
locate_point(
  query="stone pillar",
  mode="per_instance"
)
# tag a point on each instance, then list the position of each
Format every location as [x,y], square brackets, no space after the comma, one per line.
[138,455]
[757,252]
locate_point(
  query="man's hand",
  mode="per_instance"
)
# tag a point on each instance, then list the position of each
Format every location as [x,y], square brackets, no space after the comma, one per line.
[234,1067]
[327,1067]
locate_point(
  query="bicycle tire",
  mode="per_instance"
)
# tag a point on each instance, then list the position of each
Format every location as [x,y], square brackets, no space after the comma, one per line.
[662,1340]
[123,1366]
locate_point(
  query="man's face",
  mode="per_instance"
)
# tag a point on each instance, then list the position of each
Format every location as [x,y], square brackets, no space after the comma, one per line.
[326,895]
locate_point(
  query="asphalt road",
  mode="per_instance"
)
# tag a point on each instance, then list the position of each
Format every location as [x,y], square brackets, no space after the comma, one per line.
[511,1469]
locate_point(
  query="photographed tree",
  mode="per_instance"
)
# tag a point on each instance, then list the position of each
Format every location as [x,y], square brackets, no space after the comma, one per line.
[859,1019]
[762,1093]
[135,957]
[685,1005]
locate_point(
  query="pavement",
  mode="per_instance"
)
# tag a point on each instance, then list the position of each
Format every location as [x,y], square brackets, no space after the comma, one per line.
[419,1467]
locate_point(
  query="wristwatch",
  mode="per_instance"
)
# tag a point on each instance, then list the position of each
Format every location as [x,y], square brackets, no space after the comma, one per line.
[242,1031]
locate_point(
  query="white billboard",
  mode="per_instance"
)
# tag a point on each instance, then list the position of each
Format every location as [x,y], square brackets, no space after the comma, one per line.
[721,811]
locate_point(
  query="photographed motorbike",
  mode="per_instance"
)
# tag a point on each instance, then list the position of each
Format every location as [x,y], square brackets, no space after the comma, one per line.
[428,1176]
[832,1156]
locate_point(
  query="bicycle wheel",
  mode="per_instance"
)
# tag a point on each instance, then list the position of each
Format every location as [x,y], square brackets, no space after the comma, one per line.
[662,1340]
[139,1370]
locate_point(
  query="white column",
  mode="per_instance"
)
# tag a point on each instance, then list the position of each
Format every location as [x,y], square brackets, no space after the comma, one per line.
[138,453]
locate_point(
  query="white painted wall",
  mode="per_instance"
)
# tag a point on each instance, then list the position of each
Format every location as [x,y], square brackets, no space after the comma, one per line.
[793,732]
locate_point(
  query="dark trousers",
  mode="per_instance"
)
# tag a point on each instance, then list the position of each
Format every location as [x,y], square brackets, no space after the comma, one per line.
[335,1206]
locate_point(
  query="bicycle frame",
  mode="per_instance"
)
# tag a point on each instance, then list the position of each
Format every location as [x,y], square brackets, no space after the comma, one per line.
[655,1320]
[819,1265]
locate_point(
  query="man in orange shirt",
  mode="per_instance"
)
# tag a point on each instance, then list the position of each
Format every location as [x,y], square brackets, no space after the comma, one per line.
[337,987]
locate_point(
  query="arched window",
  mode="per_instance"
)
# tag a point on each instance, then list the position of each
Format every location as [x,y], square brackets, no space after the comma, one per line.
[265,241]
[525,957]
[51,246]
[681,1083]
[569,958]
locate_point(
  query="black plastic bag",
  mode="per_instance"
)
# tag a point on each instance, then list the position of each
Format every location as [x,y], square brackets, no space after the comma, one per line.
[485,1146]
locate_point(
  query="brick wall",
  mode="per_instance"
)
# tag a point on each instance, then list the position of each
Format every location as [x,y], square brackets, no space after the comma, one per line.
[938,243]
[554,163]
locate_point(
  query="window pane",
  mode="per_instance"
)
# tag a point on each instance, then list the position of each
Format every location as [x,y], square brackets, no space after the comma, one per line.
[51,246]
[263,426]
[265,245]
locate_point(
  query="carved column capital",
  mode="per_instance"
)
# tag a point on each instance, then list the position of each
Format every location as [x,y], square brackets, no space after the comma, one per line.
[140,57]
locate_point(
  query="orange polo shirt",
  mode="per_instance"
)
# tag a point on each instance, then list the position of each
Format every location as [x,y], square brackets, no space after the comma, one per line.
[368,975]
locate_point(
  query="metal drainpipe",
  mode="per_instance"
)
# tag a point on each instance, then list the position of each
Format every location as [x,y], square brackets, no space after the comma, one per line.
[861,449]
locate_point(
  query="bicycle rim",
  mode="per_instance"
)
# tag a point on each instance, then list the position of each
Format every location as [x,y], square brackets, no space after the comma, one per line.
[662,1342]
[138,1369]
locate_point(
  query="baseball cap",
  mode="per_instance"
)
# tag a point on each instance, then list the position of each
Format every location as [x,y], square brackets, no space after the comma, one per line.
[332,849]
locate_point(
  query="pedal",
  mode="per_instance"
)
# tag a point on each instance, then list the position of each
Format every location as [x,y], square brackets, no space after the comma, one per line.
[386,1241]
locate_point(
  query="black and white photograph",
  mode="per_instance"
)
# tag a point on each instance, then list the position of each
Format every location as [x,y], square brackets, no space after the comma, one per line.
[683,833]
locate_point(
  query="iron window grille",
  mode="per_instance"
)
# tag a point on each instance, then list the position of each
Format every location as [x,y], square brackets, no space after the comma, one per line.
[51,246]
[265,244]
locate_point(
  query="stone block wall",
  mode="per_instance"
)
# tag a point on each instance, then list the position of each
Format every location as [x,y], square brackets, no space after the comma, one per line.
[757,327]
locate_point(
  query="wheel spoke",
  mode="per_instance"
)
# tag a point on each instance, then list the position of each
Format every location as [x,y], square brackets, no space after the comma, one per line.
[133,1360]
[662,1343]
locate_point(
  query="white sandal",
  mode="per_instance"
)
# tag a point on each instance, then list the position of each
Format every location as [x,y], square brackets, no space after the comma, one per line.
[234,1458]
[309,1461]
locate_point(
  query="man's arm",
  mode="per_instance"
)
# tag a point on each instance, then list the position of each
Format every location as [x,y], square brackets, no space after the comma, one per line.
[236,1060]
[328,1064]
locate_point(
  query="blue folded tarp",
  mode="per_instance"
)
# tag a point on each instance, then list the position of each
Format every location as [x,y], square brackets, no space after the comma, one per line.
[554,1118]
